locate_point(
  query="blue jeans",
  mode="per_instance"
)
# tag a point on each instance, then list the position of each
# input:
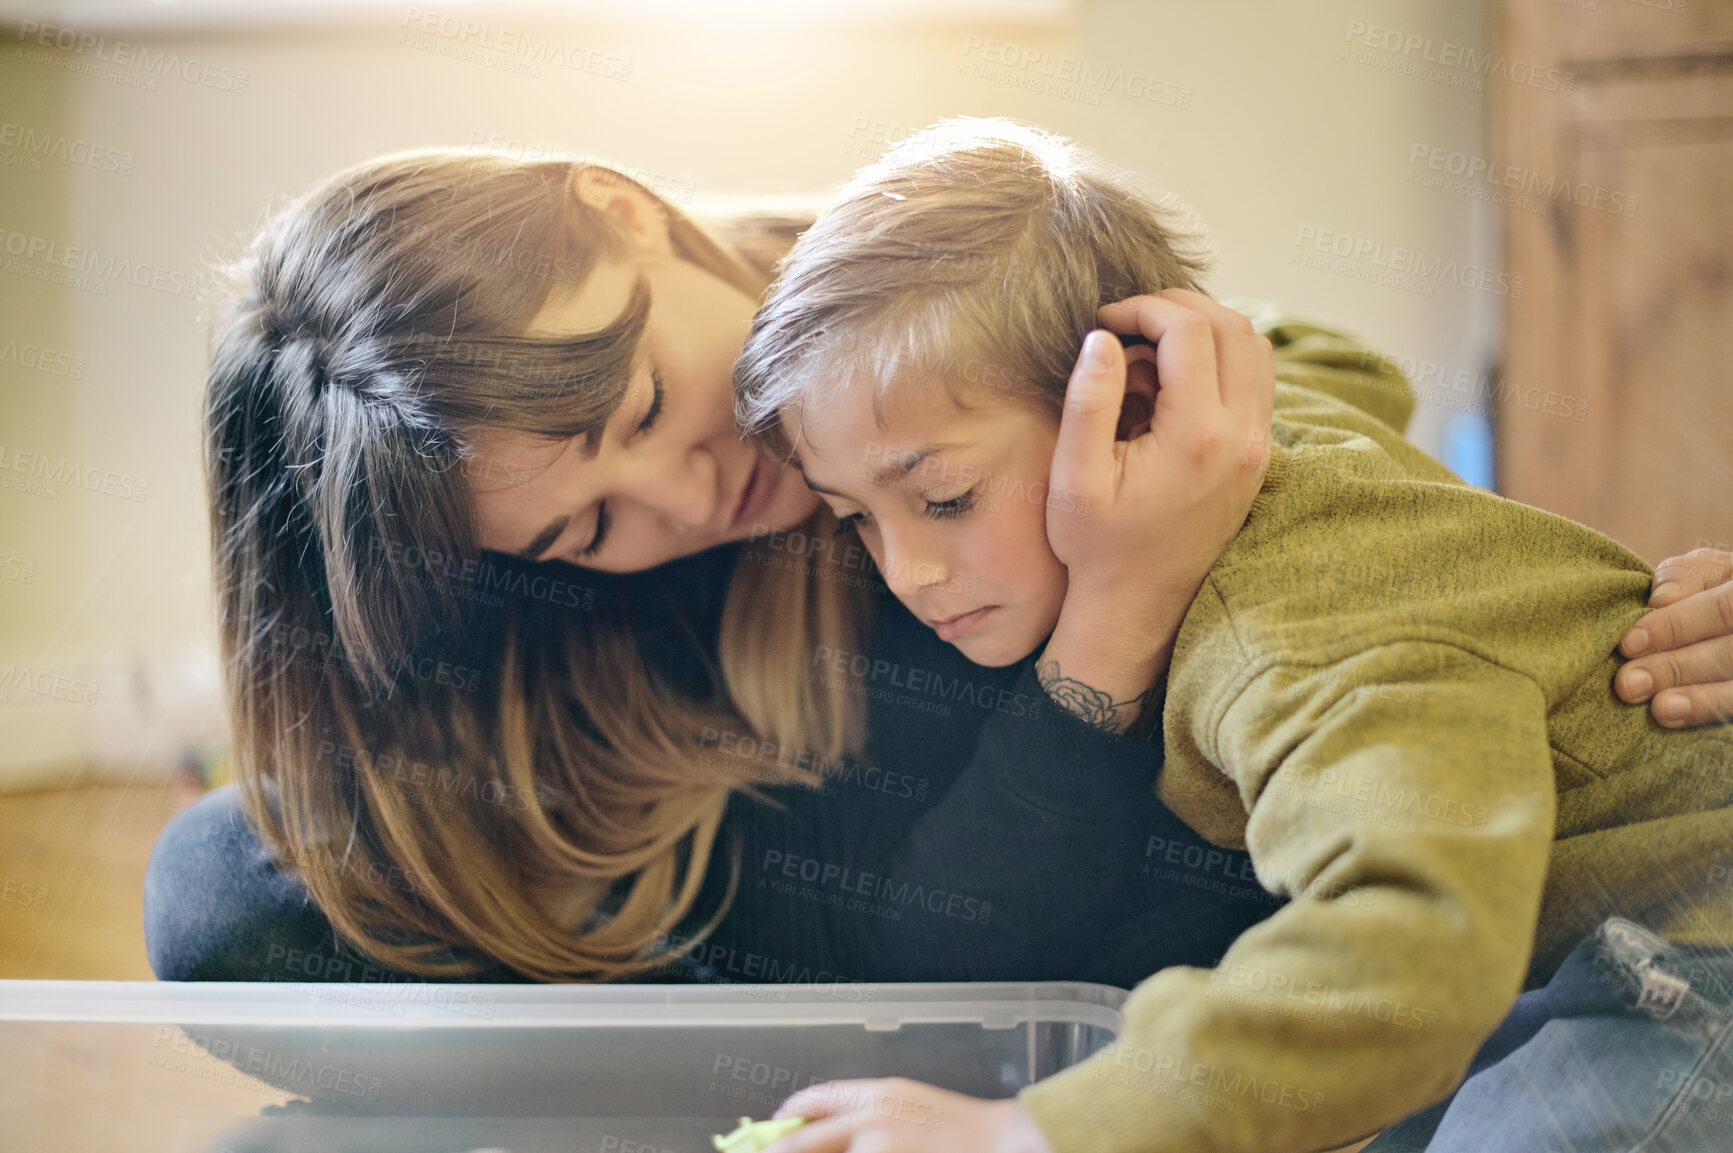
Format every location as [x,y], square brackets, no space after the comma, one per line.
[1628,1049]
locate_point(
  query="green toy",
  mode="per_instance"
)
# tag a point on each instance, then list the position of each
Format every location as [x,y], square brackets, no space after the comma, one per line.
[756,1136]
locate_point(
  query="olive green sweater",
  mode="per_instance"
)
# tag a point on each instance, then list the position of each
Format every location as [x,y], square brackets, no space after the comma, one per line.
[1395,689]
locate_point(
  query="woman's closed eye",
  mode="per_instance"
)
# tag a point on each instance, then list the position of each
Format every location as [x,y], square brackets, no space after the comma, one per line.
[596,541]
[645,424]
[648,421]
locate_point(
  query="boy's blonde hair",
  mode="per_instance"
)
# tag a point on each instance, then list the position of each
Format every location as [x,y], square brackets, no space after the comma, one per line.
[975,252]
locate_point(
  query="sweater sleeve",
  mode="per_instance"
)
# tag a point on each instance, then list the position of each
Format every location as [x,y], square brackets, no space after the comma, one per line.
[1027,846]
[1403,797]
[1013,870]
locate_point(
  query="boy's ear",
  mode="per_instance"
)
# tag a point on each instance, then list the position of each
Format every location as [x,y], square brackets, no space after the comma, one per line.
[638,214]
[1138,410]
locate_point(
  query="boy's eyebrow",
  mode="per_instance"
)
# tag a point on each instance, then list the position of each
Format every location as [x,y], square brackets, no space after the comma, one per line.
[887,476]
[881,478]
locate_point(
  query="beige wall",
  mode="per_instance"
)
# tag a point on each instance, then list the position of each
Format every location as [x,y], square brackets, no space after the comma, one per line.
[1280,133]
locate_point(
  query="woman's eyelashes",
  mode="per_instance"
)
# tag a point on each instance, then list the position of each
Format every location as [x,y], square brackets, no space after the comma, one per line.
[596,542]
[655,409]
[647,423]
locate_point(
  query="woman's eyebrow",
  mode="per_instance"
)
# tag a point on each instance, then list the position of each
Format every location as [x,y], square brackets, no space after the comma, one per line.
[591,448]
[538,546]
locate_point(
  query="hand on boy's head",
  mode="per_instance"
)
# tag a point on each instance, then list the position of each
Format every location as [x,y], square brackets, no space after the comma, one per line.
[1246,364]
[1683,650]
[1138,523]
[1166,502]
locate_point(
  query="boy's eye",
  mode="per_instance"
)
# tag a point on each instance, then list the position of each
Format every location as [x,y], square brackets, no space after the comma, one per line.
[956,506]
[847,524]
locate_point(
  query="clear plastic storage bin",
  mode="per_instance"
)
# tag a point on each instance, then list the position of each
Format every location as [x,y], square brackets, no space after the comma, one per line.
[107,1067]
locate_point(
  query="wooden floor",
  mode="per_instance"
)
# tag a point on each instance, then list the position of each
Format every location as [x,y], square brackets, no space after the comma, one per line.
[72,879]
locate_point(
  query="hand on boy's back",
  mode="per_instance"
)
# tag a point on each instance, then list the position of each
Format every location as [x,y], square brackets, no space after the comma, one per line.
[1683,650]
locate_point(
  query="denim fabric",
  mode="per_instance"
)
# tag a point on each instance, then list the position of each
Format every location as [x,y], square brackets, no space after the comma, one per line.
[1628,1049]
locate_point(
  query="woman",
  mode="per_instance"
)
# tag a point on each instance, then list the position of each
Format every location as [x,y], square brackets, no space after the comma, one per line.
[469,765]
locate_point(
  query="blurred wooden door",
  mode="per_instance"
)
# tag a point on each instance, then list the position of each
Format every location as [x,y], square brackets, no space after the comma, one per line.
[1620,222]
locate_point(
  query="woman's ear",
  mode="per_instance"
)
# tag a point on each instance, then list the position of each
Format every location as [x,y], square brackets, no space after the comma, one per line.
[638,214]
[1138,410]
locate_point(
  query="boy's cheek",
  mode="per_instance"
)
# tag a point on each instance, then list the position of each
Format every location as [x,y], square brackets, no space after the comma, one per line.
[1028,584]
[1040,620]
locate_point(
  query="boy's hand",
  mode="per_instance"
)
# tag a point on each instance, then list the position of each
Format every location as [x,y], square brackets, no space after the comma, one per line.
[895,1115]
[1143,519]
[1683,650]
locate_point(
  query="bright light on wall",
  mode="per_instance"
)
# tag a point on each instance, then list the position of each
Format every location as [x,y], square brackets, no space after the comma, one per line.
[181,15]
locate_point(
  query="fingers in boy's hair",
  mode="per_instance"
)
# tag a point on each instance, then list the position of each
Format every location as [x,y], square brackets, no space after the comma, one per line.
[1244,358]
[1229,323]
[1128,315]
[1248,371]
[1185,352]
[1083,457]
[1702,616]
[1683,708]
[1093,395]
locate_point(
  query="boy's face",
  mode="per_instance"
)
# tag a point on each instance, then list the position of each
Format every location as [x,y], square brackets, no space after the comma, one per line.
[950,502]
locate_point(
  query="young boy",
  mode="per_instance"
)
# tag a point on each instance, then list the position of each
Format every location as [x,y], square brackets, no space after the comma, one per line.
[1393,688]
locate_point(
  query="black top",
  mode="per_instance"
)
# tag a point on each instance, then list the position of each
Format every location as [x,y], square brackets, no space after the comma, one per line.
[986,835]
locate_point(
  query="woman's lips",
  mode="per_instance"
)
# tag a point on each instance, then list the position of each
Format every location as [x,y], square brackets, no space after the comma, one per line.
[753,494]
[962,624]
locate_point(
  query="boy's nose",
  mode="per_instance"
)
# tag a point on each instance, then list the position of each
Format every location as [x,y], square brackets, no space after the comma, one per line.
[908,570]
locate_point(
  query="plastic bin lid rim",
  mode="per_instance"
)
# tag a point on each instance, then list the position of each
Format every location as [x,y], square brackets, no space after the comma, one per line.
[992,1005]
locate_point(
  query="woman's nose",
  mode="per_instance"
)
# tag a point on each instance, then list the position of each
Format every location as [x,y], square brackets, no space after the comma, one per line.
[682,486]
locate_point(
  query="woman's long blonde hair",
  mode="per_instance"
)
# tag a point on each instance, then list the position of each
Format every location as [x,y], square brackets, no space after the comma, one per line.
[564,801]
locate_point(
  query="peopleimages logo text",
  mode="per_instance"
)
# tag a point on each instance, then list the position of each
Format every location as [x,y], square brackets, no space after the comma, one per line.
[1462,61]
[89,262]
[512,42]
[126,54]
[1405,262]
[875,886]
[61,471]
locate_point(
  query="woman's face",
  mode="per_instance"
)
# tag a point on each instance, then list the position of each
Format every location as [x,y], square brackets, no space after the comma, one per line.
[671,476]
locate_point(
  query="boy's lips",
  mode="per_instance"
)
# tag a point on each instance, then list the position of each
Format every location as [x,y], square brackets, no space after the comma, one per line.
[950,628]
